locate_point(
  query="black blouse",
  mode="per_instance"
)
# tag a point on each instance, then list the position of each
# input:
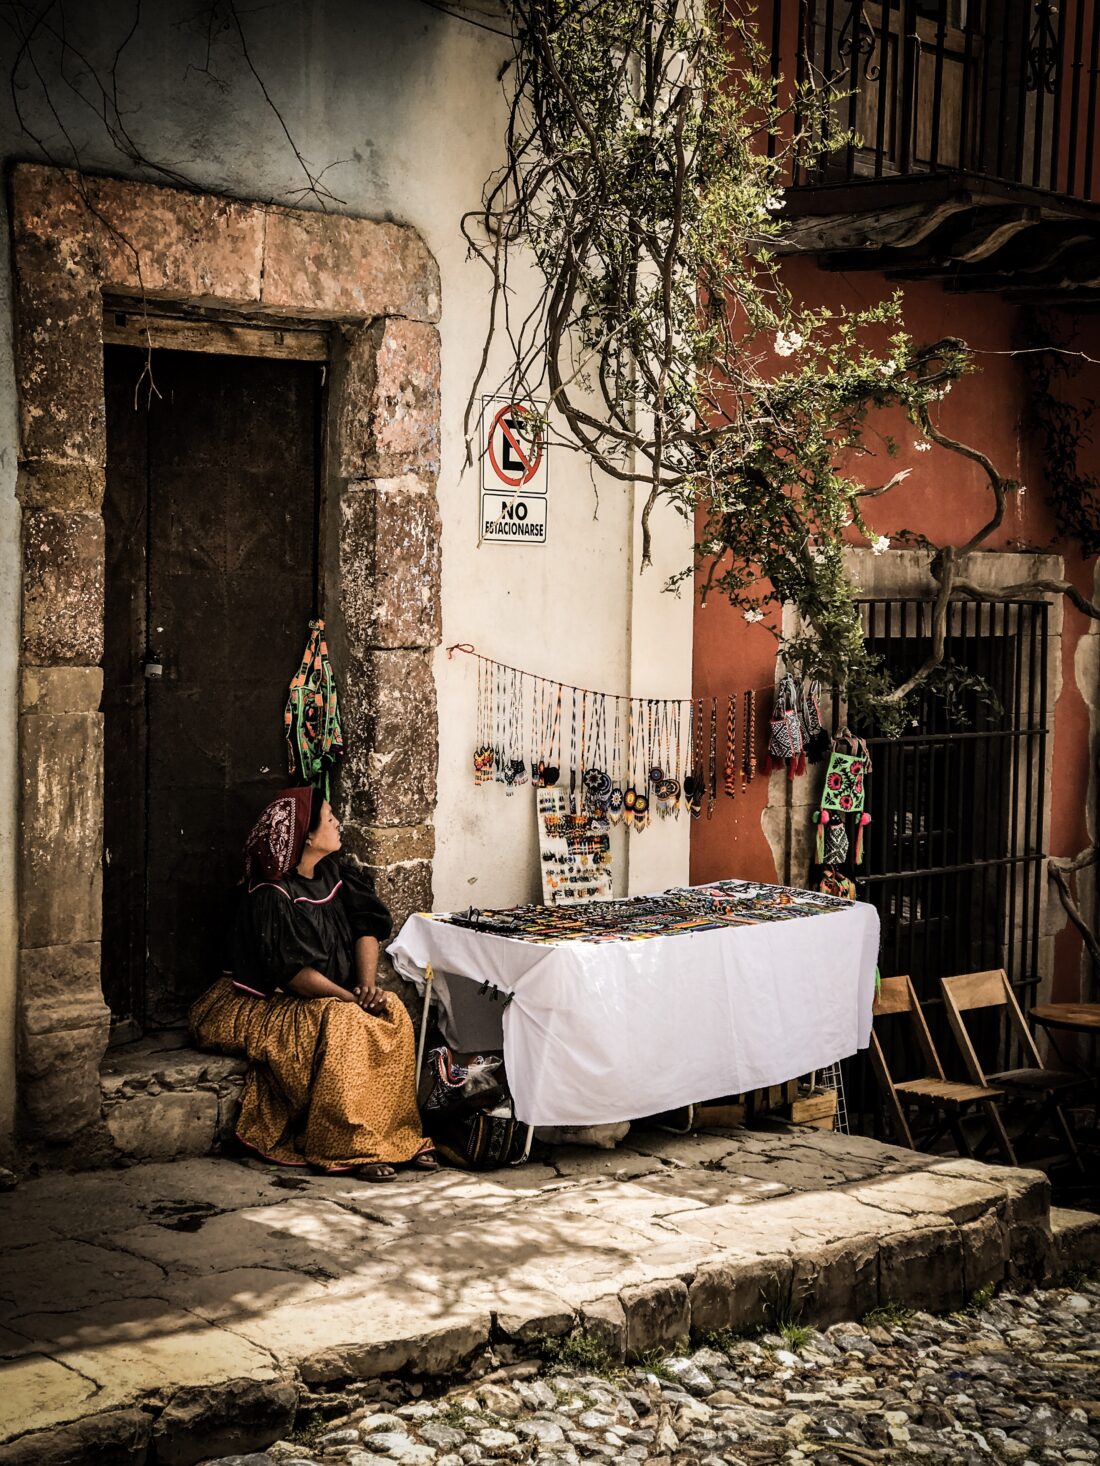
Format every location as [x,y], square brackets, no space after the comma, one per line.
[284,926]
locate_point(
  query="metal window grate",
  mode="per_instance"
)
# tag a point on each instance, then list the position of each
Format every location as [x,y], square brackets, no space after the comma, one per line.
[955,851]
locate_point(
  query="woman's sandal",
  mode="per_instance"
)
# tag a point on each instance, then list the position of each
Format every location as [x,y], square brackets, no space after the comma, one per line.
[425,1161]
[375,1171]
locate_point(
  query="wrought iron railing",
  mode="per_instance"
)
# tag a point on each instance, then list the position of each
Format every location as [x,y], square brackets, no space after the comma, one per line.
[1004,89]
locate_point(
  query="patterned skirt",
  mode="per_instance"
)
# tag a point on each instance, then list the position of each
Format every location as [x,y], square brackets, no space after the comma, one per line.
[328,1084]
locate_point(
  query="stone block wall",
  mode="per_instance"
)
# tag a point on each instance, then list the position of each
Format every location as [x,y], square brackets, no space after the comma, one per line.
[76,238]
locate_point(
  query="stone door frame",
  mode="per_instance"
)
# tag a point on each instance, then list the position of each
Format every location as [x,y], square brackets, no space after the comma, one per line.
[77,238]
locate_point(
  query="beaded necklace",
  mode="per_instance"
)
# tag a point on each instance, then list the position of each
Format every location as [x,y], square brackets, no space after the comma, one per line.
[615,797]
[748,765]
[730,768]
[698,777]
[483,749]
[712,759]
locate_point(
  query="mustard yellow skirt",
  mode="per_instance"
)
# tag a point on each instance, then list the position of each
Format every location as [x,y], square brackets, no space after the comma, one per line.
[328,1084]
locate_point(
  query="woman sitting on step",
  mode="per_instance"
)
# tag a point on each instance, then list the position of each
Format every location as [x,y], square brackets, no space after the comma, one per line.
[331,1081]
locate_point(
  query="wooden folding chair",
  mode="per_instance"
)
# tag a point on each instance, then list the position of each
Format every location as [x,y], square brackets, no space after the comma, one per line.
[947,1100]
[973,991]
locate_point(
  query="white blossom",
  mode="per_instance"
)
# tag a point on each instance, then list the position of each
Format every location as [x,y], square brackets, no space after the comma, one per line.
[753,614]
[922,445]
[774,202]
[819,554]
[888,368]
[788,342]
[880,544]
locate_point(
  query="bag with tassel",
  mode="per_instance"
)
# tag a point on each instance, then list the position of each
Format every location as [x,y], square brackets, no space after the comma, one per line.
[786,745]
[843,798]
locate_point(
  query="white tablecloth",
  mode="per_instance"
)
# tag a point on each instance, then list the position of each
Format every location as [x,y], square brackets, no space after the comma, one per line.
[599,1032]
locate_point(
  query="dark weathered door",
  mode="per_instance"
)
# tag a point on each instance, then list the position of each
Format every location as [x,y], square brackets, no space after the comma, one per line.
[211,516]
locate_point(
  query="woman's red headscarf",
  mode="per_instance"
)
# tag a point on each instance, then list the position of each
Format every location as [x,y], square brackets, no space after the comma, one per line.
[278,837]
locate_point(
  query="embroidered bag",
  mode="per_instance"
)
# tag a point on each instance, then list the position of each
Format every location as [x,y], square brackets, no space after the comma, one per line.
[786,744]
[449,1088]
[844,795]
[483,1140]
[834,883]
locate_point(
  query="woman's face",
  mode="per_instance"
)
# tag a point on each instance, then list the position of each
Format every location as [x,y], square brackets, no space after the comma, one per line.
[325,839]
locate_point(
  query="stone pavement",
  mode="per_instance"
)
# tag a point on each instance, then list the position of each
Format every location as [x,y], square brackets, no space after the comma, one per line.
[176,1311]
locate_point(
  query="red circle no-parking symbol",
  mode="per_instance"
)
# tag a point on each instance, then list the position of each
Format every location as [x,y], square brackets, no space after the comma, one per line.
[515,460]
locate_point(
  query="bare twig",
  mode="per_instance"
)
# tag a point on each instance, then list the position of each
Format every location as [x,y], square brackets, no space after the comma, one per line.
[1059,872]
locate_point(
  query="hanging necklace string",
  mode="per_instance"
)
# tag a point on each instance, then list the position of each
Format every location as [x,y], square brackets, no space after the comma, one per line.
[730,769]
[655,733]
[712,759]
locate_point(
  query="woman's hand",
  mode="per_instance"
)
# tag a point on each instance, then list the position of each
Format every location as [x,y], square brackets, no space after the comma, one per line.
[371,999]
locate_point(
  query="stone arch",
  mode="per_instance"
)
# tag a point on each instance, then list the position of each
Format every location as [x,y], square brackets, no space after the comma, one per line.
[77,238]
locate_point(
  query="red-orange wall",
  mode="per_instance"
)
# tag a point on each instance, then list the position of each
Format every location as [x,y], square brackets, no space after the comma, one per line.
[946,499]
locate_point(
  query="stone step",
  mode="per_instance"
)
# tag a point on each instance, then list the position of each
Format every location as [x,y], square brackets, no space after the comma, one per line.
[1076,1243]
[162,1099]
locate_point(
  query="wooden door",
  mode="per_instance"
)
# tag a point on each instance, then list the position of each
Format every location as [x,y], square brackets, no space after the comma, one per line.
[211,512]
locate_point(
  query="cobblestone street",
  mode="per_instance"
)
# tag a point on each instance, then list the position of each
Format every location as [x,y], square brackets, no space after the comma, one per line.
[1016,1380]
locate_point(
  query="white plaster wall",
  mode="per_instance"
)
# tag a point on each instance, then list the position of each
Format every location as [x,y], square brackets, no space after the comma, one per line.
[406,101]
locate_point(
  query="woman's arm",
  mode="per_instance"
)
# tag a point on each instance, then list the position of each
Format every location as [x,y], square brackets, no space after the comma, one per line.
[309,983]
[370,995]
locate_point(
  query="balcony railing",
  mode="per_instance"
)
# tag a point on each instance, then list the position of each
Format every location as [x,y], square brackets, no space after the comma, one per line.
[1001,89]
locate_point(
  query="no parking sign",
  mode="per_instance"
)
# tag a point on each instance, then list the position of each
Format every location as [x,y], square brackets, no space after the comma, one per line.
[514,475]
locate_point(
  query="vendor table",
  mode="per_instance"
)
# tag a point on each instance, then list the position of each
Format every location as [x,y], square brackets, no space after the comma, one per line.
[619,1009]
